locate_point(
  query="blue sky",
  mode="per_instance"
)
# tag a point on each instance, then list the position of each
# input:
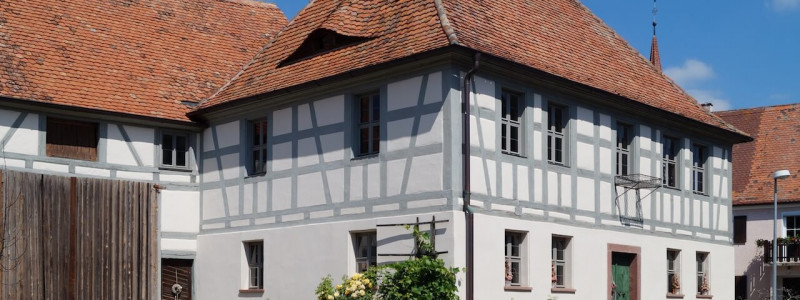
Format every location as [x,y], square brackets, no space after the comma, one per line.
[735,54]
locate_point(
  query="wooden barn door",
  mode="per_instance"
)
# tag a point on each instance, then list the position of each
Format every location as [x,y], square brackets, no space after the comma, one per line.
[176,271]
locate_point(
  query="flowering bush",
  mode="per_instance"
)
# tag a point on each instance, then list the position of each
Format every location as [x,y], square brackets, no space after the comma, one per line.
[357,287]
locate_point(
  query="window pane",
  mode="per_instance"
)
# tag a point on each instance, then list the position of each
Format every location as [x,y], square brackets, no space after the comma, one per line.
[558,150]
[514,107]
[181,150]
[256,133]
[166,157]
[503,137]
[166,142]
[256,162]
[515,272]
[376,108]
[364,138]
[376,139]
[364,107]
[559,275]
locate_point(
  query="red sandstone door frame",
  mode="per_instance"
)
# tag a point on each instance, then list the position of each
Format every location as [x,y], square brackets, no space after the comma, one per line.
[635,269]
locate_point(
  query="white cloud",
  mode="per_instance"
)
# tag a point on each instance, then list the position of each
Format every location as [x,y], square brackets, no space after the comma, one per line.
[784,5]
[714,97]
[690,72]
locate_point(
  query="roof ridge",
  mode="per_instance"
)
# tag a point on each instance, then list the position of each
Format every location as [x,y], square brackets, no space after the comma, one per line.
[445,22]
[254,58]
[768,107]
[253,3]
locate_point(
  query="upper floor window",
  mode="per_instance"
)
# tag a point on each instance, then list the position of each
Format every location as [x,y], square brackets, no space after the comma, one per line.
[624,141]
[671,148]
[556,134]
[515,258]
[560,265]
[255,262]
[740,287]
[258,150]
[174,150]
[71,139]
[792,224]
[369,124]
[673,271]
[740,230]
[511,122]
[365,245]
[699,157]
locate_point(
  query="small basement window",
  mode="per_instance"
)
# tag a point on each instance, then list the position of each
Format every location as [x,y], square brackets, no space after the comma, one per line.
[71,139]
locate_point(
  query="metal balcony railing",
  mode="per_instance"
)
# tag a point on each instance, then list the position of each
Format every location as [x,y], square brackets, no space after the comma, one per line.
[788,252]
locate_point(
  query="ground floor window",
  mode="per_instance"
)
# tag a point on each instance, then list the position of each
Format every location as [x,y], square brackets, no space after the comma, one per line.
[254,251]
[365,245]
[560,262]
[514,258]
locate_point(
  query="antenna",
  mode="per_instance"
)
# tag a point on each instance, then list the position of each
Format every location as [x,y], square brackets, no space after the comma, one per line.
[655,13]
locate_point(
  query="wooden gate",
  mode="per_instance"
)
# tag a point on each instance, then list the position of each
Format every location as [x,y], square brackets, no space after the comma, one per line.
[77,238]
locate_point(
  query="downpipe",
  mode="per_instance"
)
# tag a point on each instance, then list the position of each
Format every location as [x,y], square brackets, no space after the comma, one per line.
[468,213]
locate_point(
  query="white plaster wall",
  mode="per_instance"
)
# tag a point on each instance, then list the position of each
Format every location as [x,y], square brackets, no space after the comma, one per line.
[748,257]
[26,138]
[589,265]
[143,143]
[297,257]
[118,151]
[180,211]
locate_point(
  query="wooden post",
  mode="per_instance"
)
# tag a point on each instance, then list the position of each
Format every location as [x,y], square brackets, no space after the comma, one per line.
[73,238]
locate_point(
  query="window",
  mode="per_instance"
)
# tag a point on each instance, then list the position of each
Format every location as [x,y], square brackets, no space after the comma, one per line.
[702,273]
[369,127]
[670,165]
[556,133]
[515,258]
[255,262]
[365,245]
[320,41]
[624,141]
[739,230]
[699,155]
[511,119]
[174,150]
[741,287]
[71,139]
[673,272]
[258,150]
[792,224]
[560,262]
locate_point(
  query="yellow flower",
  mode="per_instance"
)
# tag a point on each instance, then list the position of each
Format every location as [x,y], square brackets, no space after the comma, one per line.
[366,280]
[339,287]
[330,297]
[336,294]
[357,276]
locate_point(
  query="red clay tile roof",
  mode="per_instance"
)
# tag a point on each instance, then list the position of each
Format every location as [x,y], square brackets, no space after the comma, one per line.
[140,57]
[776,133]
[561,37]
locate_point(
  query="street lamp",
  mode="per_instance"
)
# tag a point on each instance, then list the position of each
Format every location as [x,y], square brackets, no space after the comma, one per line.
[780,174]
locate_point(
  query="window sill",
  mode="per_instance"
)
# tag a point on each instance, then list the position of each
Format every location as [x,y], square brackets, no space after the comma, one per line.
[514,288]
[674,188]
[674,296]
[174,168]
[563,290]
[700,193]
[705,296]
[251,291]
[365,156]
[514,154]
[563,165]
[256,175]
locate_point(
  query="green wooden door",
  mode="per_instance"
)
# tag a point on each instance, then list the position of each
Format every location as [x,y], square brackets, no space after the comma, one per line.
[621,274]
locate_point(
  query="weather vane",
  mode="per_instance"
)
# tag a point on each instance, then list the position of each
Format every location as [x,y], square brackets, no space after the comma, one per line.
[655,12]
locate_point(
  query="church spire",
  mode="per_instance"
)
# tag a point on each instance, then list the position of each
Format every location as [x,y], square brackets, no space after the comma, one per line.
[655,58]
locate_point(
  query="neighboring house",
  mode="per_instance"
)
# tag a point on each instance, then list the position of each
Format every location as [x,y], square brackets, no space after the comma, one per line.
[591,175]
[100,90]
[775,133]
[351,121]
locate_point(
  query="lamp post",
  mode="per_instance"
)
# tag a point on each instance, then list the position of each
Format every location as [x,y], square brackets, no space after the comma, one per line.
[780,174]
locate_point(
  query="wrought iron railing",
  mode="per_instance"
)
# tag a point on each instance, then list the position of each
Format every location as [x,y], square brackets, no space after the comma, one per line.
[788,252]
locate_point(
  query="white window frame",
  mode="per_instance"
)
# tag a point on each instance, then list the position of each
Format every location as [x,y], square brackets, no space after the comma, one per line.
[702,270]
[674,256]
[670,159]
[371,259]
[174,152]
[565,262]
[254,261]
[509,122]
[784,222]
[624,147]
[699,168]
[258,167]
[520,273]
[557,132]
[372,124]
